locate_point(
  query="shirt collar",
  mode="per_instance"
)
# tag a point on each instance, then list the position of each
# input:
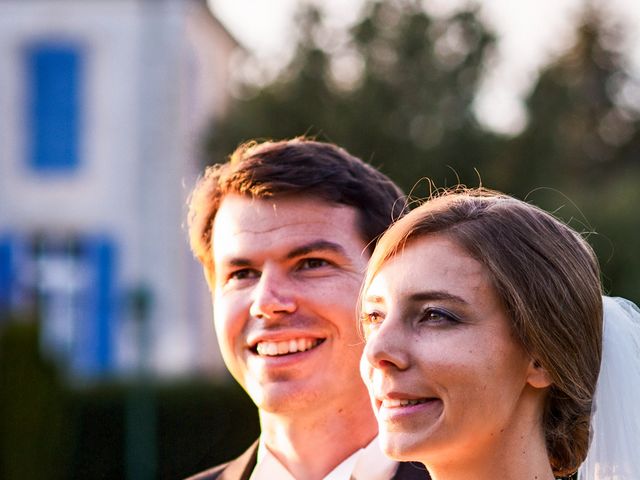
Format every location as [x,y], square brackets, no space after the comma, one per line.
[366,463]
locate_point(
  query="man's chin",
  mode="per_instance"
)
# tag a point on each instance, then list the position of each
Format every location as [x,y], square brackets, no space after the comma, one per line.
[282,398]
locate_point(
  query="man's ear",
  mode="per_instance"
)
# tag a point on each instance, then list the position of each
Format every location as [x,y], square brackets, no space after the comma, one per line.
[537,376]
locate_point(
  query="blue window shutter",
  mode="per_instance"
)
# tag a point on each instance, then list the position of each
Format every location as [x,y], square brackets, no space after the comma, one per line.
[14,260]
[6,274]
[54,81]
[95,341]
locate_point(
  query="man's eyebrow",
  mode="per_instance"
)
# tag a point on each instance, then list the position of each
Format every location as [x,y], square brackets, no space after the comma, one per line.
[238,262]
[318,246]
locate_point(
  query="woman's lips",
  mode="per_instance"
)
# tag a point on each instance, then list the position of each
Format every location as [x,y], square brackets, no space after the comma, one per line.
[397,407]
[394,402]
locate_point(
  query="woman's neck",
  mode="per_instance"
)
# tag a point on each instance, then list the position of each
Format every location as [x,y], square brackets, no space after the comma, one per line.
[518,452]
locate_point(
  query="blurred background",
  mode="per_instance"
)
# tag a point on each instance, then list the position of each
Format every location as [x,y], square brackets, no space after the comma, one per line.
[109,109]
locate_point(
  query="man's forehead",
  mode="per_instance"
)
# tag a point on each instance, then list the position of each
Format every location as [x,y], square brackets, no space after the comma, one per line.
[272,202]
[257,215]
[280,224]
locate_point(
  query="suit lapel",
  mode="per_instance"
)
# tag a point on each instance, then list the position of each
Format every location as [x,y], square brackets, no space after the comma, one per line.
[242,467]
[411,471]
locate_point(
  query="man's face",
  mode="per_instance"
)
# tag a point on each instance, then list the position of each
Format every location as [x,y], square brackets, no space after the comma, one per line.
[287,274]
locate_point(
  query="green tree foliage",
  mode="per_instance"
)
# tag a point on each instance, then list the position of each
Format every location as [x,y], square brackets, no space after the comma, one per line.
[583,141]
[408,110]
[32,441]
[52,430]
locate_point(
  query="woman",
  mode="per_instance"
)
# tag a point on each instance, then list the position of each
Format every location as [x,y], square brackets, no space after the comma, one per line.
[483,321]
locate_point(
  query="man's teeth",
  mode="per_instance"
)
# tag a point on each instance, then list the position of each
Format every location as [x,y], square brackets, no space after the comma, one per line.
[288,346]
[391,403]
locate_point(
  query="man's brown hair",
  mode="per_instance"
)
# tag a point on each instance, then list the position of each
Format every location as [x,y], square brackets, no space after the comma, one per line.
[296,167]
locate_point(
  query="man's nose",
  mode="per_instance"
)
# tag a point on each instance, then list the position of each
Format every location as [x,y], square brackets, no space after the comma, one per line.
[388,346]
[273,295]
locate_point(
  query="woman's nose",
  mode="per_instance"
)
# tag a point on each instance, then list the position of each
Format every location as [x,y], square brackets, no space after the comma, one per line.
[387,347]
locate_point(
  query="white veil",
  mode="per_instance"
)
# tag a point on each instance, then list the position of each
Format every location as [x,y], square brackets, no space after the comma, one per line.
[614,453]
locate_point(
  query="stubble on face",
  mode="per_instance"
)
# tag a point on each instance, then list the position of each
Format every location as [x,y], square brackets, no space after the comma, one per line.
[302,259]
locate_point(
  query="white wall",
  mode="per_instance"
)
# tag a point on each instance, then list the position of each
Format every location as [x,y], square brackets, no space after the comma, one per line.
[150,82]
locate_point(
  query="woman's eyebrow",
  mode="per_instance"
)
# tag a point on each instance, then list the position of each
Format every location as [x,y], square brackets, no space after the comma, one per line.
[436,295]
[422,297]
[373,299]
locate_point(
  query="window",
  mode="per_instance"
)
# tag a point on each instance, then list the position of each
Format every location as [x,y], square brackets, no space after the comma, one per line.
[70,283]
[76,295]
[54,78]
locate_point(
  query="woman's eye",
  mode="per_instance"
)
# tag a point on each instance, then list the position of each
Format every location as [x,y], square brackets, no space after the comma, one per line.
[438,315]
[371,318]
[311,263]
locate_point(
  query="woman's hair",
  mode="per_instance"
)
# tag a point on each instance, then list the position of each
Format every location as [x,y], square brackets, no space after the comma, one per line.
[548,280]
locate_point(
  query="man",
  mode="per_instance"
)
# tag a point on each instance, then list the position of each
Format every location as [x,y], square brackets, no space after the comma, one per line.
[284,231]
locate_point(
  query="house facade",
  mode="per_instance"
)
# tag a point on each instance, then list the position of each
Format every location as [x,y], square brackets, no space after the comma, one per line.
[102,105]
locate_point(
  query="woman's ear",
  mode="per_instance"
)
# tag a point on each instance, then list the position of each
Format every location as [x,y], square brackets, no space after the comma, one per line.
[537,376]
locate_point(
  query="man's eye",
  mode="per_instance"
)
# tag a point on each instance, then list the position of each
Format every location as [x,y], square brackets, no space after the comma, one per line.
[243,274]
[311,263]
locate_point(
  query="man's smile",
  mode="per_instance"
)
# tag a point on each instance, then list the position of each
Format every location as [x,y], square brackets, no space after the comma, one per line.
[285,347]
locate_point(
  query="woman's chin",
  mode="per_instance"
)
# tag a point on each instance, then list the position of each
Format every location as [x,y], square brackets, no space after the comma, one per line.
[401,447]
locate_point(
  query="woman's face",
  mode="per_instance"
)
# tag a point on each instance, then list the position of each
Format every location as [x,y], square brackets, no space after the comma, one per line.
[446,377]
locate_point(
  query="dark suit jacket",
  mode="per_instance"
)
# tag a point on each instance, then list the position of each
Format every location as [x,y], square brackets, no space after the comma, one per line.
[241,468]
